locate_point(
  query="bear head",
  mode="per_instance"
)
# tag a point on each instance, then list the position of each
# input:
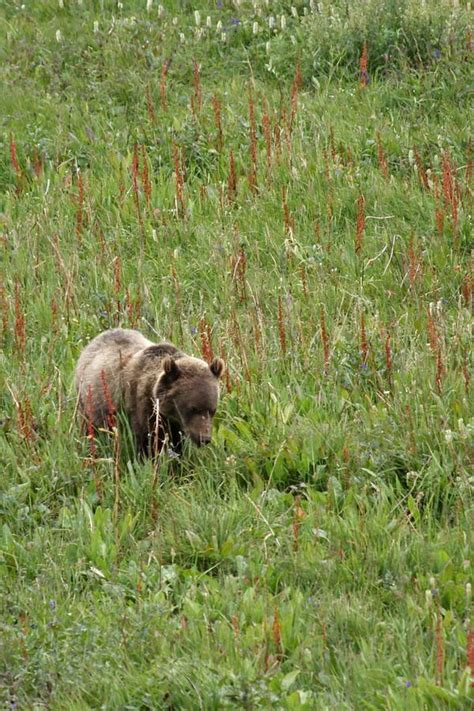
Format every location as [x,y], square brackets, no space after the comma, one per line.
[188,393]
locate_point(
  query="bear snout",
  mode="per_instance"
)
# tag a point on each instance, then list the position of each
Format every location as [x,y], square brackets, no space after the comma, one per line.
[199,429]
[199,438]
[203,439]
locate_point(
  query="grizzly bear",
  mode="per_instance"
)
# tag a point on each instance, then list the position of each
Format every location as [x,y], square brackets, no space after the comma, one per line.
[122,370]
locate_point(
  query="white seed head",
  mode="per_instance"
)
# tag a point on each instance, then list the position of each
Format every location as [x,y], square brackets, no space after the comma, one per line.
[197,17]
[448,436]
[58,36]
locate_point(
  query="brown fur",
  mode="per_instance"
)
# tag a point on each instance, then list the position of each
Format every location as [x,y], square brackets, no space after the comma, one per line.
[137,373]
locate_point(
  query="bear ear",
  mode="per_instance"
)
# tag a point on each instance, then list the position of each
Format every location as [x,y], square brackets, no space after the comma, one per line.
[170,367]
[217,367]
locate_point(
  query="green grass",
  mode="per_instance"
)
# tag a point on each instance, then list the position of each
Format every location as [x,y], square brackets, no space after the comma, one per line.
[318,554]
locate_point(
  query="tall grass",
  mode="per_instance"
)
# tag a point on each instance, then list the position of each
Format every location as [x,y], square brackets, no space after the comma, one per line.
[275,190]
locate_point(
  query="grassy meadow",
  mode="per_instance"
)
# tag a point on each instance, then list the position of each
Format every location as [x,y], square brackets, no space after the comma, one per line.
[288,186]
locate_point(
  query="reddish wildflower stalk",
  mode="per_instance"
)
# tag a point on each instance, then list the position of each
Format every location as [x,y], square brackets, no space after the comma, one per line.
[150,105]
[327,167]
[332,145]
[267,133]
[346,458]
[111,410]
[467,288]
[257,332]
[364,76]
[439,649]
[469,42]
[37,163]
[364,348]
[235,625]
[15,163]
[216,105]
[454,216]
[281,326]
[276,631]
[206,345]
[469,162]
[440,370]
[146,177]
[383,165]
[239,267]
[197,102]
[470,652]
[295,88]
[179,180]
[289,222]
[360,225]
[435,347]
[277,140]
[421,169]
[25,420]
[253,145]
[20,330]
[324,339]
[232,179]
[133,308]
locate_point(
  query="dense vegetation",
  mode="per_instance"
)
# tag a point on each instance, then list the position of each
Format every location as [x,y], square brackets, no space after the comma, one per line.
[290,187]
